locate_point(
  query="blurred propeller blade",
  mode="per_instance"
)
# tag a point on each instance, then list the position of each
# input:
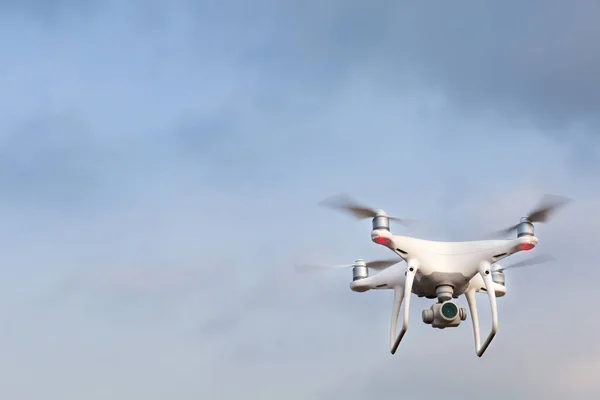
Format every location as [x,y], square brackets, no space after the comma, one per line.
[535,260]
[319,267]
[548,205]
[377,265]
[380,265]
[501,233]
[345,203]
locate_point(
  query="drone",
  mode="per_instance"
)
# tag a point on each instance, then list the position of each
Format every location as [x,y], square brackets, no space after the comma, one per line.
[441,270]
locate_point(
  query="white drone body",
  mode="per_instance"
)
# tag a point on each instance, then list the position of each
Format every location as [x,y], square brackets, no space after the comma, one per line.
[443,271]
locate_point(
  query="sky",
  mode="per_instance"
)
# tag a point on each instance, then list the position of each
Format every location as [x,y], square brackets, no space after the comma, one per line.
[162,164]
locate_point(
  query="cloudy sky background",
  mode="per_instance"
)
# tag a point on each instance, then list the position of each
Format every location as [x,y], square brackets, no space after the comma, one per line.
[162,166]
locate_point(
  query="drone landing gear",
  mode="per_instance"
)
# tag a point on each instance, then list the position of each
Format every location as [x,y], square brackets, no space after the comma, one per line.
[484,270]
[402,294]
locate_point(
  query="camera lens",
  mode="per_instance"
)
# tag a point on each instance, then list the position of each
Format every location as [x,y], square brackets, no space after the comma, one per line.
[449,310]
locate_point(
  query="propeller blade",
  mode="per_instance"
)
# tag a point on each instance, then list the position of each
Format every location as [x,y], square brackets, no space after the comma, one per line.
[380,265]
[377,265]
[535,260]
[502,233]
[318,267]
[347,204]
[548,205]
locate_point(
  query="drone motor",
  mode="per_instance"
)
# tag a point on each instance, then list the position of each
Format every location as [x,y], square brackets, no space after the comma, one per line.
[525,228]
[360,270]
[381,222]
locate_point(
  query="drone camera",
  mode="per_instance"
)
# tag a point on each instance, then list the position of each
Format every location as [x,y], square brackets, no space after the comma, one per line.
[444,315]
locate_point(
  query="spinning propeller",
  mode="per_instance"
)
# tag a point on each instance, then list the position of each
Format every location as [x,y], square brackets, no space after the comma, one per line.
[547,206]
[359,211]
[377,265]
[535,260]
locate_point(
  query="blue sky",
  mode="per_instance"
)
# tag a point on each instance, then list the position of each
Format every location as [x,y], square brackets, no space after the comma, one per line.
[162,164]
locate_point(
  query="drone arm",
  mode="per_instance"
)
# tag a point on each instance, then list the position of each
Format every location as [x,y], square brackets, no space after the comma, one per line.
[484,271]
[400,298]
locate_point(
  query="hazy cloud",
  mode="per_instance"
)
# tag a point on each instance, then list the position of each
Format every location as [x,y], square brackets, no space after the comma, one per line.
[162,165]
[535,62]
